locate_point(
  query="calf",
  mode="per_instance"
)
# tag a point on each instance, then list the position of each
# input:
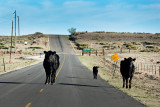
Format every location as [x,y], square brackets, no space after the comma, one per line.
[127,69]
[50,64]
[95,72]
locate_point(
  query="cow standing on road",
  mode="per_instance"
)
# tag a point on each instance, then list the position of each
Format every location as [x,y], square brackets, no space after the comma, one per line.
[95,72]
[127,69]
[50,64]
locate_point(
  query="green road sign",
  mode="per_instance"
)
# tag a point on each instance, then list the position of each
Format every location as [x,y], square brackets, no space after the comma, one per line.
[89,50]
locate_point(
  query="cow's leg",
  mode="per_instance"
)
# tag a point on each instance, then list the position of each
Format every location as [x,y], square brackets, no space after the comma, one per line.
[126,82]
[94,75]
[130,80]
[123,82]
[53,78]
[49,77]
[46,78]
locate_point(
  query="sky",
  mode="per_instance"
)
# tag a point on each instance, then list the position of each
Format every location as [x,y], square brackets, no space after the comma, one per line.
[57,16]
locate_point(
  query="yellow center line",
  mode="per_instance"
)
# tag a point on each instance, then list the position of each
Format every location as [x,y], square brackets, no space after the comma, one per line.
[41,90]
[28,105]
[56,77]
[61,66]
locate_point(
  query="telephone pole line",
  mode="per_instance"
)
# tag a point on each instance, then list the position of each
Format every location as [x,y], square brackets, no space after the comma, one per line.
[11,42]
[15,31]
[18,30]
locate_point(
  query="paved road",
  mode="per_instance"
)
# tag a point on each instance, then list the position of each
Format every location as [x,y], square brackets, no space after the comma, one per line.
[74,87]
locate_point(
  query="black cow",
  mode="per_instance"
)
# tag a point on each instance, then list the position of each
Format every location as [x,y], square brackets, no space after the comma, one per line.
[95,72]
[127,69]
[50,64]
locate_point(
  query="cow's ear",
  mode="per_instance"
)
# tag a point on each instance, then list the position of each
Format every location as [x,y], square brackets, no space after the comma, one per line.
[134,59]
[44,51]
[53,52]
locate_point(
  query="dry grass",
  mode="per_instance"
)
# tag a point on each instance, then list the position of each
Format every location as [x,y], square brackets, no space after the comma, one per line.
[145,89]
[34,40]
[145,86]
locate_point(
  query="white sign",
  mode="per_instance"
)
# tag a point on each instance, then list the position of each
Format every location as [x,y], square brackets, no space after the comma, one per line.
[25,42]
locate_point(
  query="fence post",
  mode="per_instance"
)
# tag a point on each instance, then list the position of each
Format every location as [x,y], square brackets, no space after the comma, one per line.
[141,67]
[155,69]
[4,65]
[121,50]
[115,68]
[159,70]
[152,68]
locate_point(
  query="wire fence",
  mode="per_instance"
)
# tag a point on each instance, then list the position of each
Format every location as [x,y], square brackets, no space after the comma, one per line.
[151,69]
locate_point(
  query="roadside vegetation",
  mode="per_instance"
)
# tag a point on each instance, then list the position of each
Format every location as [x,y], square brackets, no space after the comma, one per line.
[36,44]
[145,47]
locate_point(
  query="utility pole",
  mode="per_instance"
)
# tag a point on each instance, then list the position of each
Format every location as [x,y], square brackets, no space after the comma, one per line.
[18,30]
[15,31]
[11,42]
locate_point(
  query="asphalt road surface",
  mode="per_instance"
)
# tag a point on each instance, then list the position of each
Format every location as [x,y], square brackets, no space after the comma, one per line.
[74,87]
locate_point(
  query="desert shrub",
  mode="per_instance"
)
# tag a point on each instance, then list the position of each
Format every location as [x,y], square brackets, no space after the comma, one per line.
[130,46]
[2,44]
[148,43]
[12,46]
[5,47]
[157,33]
[81,46]
[155,49]
[34,42]
[20,51]
[150,46]
[30,38]
[100,32]
[40,36]
[72,38]
[136,43]
[106,46]
[133,47]
[113,47]
[127,44]
[102,43]
[35,48]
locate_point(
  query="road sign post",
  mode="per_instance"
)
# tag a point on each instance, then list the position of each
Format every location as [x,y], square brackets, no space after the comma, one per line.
[25,43]
[115,58]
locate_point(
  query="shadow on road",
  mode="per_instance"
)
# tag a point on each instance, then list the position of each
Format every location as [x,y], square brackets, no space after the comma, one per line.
[79,85]
[18,83]
[78,78]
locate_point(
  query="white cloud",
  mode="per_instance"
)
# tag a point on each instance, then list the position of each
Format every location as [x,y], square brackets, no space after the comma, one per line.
[47,4]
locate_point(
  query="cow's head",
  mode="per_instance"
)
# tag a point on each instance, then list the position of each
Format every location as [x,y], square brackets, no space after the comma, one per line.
[131,59]
[47,54]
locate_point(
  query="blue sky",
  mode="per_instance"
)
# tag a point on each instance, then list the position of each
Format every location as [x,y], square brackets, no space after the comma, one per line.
[56,16]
